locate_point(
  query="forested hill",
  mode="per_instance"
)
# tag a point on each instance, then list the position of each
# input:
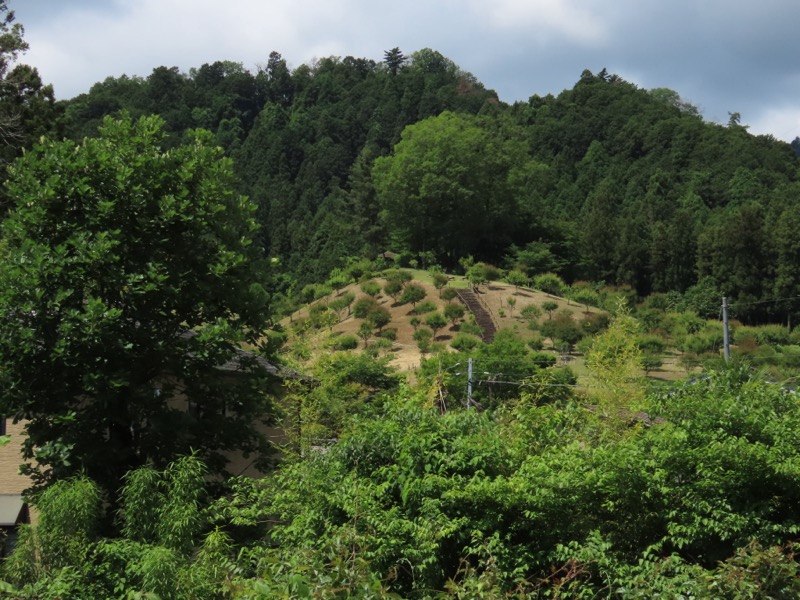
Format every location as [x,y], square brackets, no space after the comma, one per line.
[605,181]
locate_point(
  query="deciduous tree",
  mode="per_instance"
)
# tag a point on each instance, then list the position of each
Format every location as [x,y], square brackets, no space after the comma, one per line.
[436,321]
[449,187]
[413,293]
[454,311]
[129,279]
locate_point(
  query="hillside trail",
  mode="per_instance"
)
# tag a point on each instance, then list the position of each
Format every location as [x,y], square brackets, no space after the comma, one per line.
[482,317]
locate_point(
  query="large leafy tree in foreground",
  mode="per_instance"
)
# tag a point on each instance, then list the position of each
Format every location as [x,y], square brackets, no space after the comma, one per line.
[128,281]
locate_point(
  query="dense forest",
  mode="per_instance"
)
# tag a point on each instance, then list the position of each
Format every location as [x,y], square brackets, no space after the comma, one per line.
[168,241]
[603,182]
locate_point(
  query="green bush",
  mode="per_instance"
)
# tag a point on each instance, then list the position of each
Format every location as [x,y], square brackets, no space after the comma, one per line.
[651,343]
[542,359]
[448,293]
[398,275]
[370,287]
[412,293]
[701,344]
[549,283]
[363,306]
[471,328]
[536,343]
[345,342]
[425,307]
[594,323]
[464,342]
[530,312]
[765,335]
[358,268]
[423,336]
[381,343]
[389,334]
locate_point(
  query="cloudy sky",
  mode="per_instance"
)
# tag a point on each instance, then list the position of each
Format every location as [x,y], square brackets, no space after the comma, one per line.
[721,55]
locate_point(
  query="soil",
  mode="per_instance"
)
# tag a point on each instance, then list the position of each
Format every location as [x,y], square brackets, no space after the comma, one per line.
[405,354]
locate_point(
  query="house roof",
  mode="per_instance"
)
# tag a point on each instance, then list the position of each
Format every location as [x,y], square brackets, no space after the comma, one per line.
[237,364]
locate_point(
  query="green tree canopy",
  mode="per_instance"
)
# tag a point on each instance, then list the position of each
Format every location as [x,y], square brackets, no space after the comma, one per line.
[449,187]
[129,280]
[27,106]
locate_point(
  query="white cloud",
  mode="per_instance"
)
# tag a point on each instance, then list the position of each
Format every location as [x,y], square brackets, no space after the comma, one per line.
[185,33]
[545,19]
[782,122]
[723,56]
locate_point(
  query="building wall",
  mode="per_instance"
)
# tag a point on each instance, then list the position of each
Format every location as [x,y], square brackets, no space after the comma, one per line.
[11,482]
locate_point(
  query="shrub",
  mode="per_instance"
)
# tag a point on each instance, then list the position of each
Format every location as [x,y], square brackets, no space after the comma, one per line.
[464,342]
[549,283]
[471,327]
[276,338]
[771,335]
[585,296]
[342,302]
[517,278]
[423,337]
[364,306]
[381,343]
[371,288]
[701,344]
[448,293]
[315,309]
[393,288]
[454,312]
[594,323]
[651,362]
[425,307]
[389,334]
[412,293]
[338,279]
[398,275]
[542,359]
[440,281]
[436,321]
[481,273]
[530,312]
[584,344]
[536,343]
[345,342]
[379,317]
[562,327]
[651,344]
[549,307]
[314,291]
[358,268]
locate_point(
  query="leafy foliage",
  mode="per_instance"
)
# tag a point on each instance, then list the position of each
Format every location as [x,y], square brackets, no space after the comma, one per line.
[129,278]
[615,362]
[523,501]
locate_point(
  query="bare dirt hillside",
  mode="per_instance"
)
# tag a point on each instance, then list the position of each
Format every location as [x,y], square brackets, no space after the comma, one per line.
[404,353]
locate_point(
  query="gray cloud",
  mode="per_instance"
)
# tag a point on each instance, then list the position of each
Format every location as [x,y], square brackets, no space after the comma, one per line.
[723,56]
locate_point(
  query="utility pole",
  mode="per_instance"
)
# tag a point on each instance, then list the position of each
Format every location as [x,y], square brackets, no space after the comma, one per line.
[469,384]
[725,336]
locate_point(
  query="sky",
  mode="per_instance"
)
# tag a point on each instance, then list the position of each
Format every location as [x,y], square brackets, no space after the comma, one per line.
[723,56]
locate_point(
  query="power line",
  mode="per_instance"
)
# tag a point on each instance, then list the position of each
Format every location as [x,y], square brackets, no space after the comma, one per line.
[738,304]
[538,384]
